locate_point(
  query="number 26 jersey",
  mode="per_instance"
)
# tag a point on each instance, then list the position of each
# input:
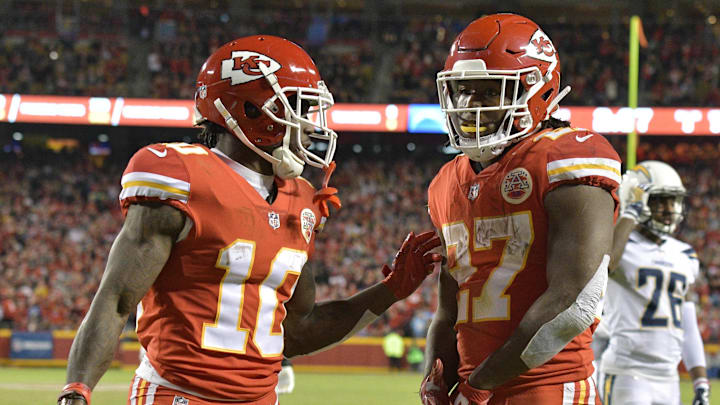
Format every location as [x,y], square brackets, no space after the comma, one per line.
[643,307]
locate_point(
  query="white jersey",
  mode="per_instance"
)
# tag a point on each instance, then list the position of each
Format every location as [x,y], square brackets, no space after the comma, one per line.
[643,308]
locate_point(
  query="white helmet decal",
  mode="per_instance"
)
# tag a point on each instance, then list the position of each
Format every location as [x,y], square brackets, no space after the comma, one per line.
[540,47]
[243,66]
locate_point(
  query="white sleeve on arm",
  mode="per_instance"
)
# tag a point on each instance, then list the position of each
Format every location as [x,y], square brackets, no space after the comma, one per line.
[554,335]
[693,353]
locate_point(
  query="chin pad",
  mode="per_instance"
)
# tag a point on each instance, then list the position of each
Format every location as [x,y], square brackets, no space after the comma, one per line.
[289,165]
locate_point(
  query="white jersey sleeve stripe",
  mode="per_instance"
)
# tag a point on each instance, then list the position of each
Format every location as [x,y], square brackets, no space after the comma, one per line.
[158,179]
[144,184]
[152,191]
[575,168]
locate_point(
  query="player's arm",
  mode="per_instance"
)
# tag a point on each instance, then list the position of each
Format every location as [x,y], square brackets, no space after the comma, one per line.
[137,256]
[441,338]
[693,354]
[633,210]
[311,326]
[579,240]
[441,356]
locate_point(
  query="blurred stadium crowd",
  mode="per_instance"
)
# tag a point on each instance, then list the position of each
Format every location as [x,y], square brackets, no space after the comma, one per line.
[59,213]
[363,58]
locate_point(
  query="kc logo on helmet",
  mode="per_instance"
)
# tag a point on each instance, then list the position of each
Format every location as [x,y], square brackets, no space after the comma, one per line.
[540,47]
[244,66]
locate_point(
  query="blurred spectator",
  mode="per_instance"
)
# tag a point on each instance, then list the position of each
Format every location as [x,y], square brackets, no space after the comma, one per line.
[394,349]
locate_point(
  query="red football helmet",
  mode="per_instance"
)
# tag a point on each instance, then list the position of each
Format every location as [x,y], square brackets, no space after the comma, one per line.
[516,53]
[262,89]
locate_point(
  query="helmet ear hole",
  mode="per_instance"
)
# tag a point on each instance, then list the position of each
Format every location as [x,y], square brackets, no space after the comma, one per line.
[547,94]
[251,110]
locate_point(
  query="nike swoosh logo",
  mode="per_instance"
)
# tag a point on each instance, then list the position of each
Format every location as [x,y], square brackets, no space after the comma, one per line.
[158,153]
[583,138]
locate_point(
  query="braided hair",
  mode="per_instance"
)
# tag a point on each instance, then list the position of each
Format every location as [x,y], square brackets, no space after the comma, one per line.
[209,134]
[554,123]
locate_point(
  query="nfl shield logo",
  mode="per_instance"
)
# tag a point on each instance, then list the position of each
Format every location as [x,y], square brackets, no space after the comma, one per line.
[473,193]
[178,400]
[202,92]
[307,223]
[274,219]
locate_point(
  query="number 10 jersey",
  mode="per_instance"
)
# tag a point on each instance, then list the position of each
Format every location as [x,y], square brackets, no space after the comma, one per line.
[212,321]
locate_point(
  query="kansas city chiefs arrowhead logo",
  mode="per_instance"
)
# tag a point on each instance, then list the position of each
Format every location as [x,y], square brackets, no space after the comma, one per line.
[540,47]
[243,66]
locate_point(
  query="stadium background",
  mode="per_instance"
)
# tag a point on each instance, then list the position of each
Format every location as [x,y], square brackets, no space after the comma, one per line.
[60,170]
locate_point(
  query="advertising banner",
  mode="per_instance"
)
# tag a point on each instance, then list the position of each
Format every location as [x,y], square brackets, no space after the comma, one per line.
[31,345]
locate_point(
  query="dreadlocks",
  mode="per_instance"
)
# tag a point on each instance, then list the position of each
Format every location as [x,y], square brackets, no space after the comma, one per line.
[554,123]
[209,134]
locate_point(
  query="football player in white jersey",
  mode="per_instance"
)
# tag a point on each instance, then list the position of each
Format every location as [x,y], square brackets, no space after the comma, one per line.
[652,327]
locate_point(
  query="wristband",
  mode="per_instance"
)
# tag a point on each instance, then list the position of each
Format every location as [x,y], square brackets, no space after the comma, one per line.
[76,388]
[630,215]
[701,382]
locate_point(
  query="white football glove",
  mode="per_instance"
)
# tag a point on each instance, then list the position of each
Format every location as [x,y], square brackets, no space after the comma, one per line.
[633,198]
[286,381]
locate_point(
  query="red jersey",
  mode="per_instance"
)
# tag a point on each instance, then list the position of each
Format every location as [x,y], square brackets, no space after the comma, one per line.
[212,320]
[495,228]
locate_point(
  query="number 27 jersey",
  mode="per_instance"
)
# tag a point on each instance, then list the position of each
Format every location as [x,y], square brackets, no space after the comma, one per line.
[495,227]
[212,320]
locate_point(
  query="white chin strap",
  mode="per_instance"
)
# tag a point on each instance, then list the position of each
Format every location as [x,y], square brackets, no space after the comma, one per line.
[285,163]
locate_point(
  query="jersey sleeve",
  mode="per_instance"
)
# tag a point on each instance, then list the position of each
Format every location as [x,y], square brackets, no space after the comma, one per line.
[582,157]
[156,173]
[694,264]
[435,193]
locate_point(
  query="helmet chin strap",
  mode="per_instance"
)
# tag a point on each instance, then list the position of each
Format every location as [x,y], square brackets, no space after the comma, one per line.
[285,163]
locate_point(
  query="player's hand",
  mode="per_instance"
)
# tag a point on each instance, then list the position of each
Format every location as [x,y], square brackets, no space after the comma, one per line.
[412,264]
[702,394]
[327,194]
[286,380]
[433,390]
[465,394]
[633,198]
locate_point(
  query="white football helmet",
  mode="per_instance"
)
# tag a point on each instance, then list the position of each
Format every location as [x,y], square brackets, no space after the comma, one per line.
[663,181]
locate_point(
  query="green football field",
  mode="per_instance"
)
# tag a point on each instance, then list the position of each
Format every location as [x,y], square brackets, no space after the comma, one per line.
[23,386]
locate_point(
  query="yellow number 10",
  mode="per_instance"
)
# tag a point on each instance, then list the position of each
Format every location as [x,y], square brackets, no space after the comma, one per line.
[225,334]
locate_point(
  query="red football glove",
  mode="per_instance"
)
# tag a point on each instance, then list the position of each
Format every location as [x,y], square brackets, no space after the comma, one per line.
[327,194]
[75,394]
[433,390]
[412,264]
[468,395]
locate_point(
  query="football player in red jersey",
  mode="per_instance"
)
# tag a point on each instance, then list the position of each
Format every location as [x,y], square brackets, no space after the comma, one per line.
[213,249]
[526,216]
